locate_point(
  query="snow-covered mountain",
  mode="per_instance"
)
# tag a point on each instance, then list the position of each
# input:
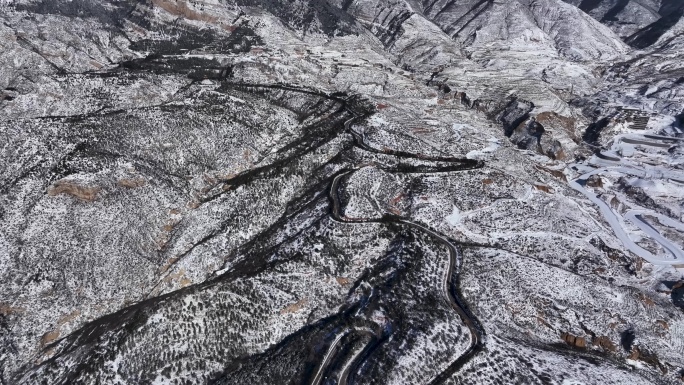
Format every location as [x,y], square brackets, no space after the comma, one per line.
[341,191]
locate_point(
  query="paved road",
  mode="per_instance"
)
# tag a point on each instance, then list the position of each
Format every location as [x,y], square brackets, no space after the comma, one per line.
[608,163]
[636,217]
[448,285]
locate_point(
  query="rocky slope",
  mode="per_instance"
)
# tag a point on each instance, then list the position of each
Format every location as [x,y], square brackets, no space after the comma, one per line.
[350,191]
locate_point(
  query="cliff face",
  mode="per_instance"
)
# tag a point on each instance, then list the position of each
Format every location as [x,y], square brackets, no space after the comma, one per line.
[341,191]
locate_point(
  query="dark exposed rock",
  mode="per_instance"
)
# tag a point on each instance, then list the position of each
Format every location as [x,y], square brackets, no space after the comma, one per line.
[593,132]
[676,292]
[513,114]
[463,98]
[627,338]
[528,136]
[555,151]
[444,88]
[679,121]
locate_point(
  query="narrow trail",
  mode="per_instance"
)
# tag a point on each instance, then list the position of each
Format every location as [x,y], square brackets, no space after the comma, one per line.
[450,282]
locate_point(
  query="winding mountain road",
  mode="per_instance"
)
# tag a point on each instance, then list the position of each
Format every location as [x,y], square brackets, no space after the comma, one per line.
[608,163]
[449,285]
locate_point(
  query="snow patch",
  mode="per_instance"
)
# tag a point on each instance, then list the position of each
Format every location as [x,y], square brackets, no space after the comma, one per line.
[455,218]
[493,146]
